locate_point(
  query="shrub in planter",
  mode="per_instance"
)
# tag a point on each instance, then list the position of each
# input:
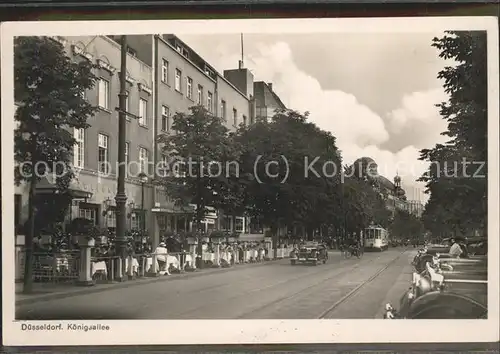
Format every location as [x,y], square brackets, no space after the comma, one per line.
[218,234]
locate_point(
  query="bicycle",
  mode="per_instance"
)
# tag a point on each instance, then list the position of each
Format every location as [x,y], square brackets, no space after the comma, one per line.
[357,252]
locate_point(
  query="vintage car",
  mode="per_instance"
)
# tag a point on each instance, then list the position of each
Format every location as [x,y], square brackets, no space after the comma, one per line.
[445,288]
[471,246]
[309,254]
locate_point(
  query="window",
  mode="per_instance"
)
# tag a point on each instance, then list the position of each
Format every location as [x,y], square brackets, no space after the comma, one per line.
[165,117]
[135,220]
[239,224]
[200,95]
[143,160]
[103,94]
[235,116]
[189,88]
[164,167]
[89,214]
[111,218]
[226,223]
[103,153]
[178,77]
[143,112]
[244,120]
[127,105]
[164,71]
[79,149]
[209,101]
[223,110]
[127,151]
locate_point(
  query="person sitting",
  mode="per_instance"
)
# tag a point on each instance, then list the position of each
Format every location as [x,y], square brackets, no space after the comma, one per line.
[455,249]
[161,257]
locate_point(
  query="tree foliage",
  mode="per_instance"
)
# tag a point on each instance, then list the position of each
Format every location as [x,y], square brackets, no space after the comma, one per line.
[201,158]
[406,226]
[457,177]
[364,204]
[48,91]
[292,171]
[48,88]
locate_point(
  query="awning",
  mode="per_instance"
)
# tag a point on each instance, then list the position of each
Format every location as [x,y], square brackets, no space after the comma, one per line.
[173,210]
[47,185]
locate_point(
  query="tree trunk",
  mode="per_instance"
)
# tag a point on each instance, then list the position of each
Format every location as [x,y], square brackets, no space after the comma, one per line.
[28,242]
[275,238]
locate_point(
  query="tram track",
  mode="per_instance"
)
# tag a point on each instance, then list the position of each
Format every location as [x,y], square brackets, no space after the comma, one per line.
[314,270]
[354,291]
[309,288]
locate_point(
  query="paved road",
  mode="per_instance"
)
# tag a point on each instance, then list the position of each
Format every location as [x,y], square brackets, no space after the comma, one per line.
[274,291]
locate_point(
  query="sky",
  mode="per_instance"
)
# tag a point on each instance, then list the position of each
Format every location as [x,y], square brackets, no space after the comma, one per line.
[375,92]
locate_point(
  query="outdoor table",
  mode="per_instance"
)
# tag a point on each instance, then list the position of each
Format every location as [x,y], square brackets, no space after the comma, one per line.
[135,265]
[99,267]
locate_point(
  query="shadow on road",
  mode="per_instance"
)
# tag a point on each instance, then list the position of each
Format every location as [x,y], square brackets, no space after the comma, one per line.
[76,314]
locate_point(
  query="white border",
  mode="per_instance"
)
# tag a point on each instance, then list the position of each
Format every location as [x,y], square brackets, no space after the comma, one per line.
[253,331]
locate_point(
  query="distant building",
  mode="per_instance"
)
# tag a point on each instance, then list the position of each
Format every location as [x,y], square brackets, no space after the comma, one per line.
[392,193]
[266,101]
[415,207]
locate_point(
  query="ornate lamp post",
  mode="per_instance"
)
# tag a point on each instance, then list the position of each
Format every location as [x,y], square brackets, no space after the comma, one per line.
[121,197]
[144,179]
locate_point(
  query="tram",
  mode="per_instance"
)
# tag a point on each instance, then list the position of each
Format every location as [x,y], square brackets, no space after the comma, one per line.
[376,238]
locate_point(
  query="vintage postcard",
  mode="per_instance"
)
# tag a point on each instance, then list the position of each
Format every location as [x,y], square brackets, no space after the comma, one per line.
[250,181]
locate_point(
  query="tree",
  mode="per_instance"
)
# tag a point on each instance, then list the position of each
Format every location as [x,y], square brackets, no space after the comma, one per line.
[458,188]
[202,163]
[363,203]
[48,88]
[406,226]
[285,180]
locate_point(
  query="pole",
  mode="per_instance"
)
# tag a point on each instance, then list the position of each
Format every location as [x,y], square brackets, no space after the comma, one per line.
[143,219]
[121,197]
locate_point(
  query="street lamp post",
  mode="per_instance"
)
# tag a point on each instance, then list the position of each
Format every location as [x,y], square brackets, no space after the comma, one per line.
[121,197]
[144,180]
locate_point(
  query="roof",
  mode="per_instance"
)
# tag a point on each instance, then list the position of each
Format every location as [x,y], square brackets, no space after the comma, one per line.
[265,86]
[385,182]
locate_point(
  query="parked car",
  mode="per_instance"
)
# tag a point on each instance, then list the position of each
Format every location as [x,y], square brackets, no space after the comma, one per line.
[445,288]
[309,254]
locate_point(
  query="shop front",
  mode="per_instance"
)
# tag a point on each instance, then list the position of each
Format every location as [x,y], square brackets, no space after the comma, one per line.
[95,200]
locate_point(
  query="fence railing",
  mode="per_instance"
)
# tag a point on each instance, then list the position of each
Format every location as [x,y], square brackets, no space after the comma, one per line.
[50,267]
[65,266]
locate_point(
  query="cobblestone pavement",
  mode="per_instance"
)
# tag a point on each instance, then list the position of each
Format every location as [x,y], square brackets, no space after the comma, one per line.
[276,291]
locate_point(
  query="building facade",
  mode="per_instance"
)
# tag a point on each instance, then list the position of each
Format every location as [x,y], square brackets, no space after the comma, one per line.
[415,207]
[164,76]
[96,151]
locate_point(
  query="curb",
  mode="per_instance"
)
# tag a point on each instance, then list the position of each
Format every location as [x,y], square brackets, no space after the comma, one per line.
[105,287]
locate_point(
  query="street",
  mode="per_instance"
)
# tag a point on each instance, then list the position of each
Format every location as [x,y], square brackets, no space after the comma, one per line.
[341,289]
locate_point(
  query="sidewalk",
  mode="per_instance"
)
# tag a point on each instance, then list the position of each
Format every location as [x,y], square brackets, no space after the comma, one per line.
[50,291]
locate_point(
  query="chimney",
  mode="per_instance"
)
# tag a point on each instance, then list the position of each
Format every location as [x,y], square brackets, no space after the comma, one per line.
[240,64]
[270,84]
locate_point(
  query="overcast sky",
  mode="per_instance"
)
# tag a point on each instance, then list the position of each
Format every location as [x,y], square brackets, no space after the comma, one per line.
[375,92]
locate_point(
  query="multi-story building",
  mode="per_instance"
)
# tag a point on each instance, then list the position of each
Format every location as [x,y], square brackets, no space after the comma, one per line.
[184,79]
[164,76]
[96,151]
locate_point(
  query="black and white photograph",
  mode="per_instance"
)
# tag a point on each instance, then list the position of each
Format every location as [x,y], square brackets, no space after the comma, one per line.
[267,170]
